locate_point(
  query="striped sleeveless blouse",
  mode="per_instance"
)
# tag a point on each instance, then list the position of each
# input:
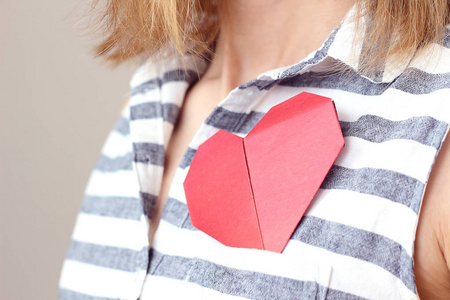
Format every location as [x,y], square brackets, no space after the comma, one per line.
[355,241]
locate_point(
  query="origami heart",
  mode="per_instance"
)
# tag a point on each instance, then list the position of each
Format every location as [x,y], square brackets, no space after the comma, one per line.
[252,192]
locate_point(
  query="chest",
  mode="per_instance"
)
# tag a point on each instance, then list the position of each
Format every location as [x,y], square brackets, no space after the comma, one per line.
[360,226]
[191,116]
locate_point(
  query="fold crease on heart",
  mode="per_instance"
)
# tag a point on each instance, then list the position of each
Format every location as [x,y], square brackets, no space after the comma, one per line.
[253,195]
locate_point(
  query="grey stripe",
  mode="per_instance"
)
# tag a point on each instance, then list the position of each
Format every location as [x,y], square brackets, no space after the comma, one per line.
[348,80]
[175,267]
[332,236]
[425,130]
[233,121]
[378,182]
[116,207]
[357,243]
[237,282]
[150,110]
[149,202]
[176,213]
[412,81]
[65,294]
[122,126]
[109,257]
[121,163]
[446,41]
[387,184]
[418,82]
[189,76]
[149,153]
[187,158]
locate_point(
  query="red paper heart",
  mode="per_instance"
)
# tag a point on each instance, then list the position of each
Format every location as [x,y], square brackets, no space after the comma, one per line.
[252,192]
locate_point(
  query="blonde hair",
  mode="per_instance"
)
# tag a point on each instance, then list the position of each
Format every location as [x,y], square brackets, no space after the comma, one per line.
[397,28]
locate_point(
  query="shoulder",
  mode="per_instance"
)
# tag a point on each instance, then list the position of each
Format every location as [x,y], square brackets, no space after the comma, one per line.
[432,247]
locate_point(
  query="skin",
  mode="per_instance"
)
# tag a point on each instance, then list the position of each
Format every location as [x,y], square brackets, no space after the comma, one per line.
[432,249]
[242,53]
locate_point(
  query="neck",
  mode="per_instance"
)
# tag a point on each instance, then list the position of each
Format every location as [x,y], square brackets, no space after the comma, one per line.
[259,35]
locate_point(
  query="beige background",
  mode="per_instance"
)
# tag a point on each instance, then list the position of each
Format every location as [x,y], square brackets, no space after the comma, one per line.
[56,106]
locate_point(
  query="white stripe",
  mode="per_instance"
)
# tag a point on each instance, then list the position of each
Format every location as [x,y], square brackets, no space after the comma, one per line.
[156,287]
[435,59]
[144,73]
[149,130]
[150,177]
[177,182]
[351,106]
[169,238]
[120,183]
[173,92]
[392,220]
[116,145]
[99,281]
[147,71]
[152,95]
[298,261]
[108,231]
[394,155]
[352,275]
[204,133]
[378,215]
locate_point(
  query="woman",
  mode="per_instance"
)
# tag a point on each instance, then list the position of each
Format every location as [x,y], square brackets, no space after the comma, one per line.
[386,66]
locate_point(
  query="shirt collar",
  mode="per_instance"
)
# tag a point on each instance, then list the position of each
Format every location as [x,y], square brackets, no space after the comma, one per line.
[344,46]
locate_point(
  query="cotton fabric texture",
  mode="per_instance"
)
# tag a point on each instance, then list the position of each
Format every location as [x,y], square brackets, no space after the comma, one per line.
[355,241]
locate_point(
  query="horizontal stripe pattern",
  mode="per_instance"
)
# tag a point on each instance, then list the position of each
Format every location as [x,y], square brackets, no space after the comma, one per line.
[116,145]
[108,231]
[381,183]
[369,127]
[424,130]
[149,153]
[377,130]
[113,206]
[100,282]
[357,243]
[239,282]
[332,236]
[389,155]
[365,255]
[119,183]
[299,261]
[107,256]
[446,41]
[189,76]
[122,126]
[343,203]
[121,163]
[149,203]
[151,110]
[350,81]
